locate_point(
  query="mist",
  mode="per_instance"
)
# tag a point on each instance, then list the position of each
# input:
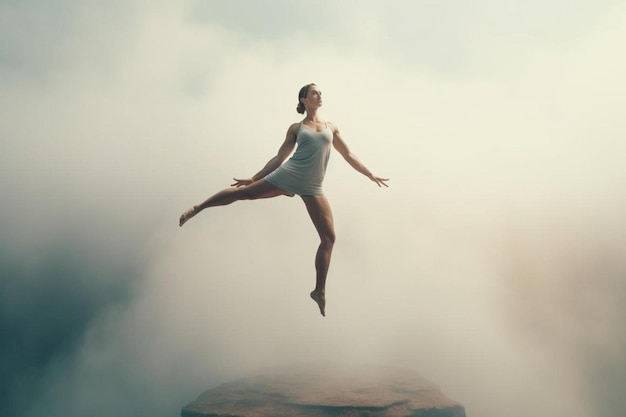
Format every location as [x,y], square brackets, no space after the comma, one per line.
[493,264]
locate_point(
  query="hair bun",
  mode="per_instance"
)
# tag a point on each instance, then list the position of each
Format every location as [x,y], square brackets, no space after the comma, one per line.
[302,94]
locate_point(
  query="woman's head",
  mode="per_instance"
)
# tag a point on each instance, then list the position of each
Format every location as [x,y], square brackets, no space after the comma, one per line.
[304,92]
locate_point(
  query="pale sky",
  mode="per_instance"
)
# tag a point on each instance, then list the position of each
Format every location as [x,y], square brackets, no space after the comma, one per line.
[493,264]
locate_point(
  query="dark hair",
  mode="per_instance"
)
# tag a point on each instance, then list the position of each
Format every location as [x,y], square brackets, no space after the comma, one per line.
[304,91]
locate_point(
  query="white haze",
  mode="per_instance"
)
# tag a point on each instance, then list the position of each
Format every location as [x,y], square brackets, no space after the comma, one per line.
[493,264]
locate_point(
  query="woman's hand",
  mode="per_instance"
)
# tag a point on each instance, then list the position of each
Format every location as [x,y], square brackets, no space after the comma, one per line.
[242,182]
[379,181]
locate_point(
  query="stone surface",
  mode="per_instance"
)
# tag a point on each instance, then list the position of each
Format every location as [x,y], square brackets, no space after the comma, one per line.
[379,392]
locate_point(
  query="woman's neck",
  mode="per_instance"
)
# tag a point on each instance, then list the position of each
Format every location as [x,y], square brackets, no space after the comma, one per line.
[312,116]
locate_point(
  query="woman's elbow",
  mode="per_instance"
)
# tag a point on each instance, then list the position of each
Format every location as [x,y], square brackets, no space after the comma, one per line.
[349,156]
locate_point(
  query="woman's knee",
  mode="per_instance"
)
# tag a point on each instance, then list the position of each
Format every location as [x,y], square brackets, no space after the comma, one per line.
[246,193]
[328,238]
[242,194]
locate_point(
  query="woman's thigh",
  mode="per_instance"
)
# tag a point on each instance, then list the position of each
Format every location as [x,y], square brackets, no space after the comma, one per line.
[260,189]
[321,215]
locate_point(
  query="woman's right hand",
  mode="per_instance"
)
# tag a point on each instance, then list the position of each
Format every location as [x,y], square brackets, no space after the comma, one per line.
[242,182]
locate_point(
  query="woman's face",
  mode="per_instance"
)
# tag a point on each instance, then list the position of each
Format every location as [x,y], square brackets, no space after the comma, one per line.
[313,99]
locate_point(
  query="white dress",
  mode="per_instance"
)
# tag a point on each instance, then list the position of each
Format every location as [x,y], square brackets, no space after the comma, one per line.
[304,172]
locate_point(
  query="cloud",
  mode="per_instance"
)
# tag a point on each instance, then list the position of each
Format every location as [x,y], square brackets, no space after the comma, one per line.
[491,264]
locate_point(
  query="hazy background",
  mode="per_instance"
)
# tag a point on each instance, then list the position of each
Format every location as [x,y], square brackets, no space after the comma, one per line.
[494,264]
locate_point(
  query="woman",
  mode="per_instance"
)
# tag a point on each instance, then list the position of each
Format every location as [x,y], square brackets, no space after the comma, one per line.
[302,174]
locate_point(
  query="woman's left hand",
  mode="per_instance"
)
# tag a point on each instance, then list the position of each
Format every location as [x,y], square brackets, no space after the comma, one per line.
[379,181]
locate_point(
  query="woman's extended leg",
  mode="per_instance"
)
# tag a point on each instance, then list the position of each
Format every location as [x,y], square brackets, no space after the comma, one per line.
[322,216]
[256,190]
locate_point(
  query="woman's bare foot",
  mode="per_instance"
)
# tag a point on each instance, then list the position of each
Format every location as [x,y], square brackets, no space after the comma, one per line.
[188,214]
[320,299]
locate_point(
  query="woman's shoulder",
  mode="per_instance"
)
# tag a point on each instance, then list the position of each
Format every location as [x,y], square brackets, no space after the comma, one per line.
[293,130]
[295,127]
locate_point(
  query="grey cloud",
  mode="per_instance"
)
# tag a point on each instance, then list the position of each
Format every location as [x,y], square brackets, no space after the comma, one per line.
[271,20]
[49,299]
[32,33]
[126,313]
[456,39]
[39,39]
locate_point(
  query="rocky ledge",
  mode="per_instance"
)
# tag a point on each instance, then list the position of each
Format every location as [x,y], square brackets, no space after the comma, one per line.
[328,392]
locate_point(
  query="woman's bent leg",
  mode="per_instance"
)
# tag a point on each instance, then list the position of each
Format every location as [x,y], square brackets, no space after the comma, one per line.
[256,190]
[322,217]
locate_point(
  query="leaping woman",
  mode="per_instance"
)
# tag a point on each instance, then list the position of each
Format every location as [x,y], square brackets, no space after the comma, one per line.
[303,175]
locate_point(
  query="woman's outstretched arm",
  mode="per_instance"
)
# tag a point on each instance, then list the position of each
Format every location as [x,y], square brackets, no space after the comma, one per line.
[283,152]
[354,162]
